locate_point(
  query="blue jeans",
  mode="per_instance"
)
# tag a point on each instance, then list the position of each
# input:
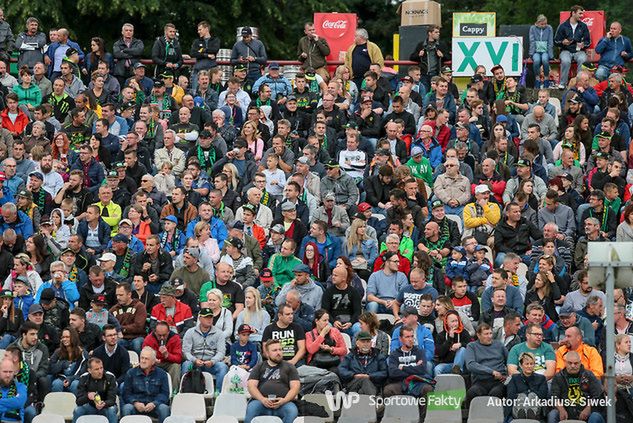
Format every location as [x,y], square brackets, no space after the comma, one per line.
[457,211]
[7,339]
[581,209]
[132,344]
[29,414]
[162,411]
[501,256]
[87,409]
[154,288]
[603,72]
[444,368]
[58,386]
[219,370]
[287,412]
[377,308]
[553,417]
[565,63]
[540,59]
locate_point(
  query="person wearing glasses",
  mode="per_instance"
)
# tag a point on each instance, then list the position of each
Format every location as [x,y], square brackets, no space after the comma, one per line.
[452,188]
[542,353]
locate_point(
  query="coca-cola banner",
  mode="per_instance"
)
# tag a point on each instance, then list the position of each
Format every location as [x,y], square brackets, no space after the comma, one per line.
[595,21]
[338,29]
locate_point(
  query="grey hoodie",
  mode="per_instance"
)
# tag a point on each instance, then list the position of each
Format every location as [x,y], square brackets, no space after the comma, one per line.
[311,294]
[209,346]
[36,356]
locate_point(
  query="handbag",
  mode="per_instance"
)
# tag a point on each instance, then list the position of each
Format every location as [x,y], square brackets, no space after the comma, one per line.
[323,359]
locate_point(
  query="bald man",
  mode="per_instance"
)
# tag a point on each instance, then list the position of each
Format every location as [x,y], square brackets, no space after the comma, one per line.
[589,356]
[545,121]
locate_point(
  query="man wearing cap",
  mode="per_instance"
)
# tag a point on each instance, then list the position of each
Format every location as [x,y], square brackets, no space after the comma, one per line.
[524,173]
[423,338]
[138,81]
[482,215]
[12,218]
[378,188]
[125,258]
[364,369]
[341,184]
[615,131]
[204,347]
[336,216]
[420,166]
[204,151]
[166,52]
[310,293]
[245,274]
[279,85]
[120,195]
[605,215]
[154,263]
[131,315]
[166,104]
[60,287]
[251,52]
[99,284]
[176,313]
[41,198]
[292,204]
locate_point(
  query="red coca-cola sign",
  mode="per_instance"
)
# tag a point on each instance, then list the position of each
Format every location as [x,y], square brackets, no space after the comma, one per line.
[338,29]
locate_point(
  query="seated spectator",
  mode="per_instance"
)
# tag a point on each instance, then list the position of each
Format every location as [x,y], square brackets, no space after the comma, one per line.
[423,338]
[571,381]
[593,311]
[96,393]
[14,393]
[569,318]
[464,300]
[168,348]
[364,369]
[450,345]
[495,315]
[114,357]
[513,234]
[577,299]
[535,313]
[486,359]
[342,302]
[383,286]
[204,347]
[369,323]
[179,320]
[501,279]
[253,315]
[245,274]
[291,335]
[131,315]
[324,343]
[545,292]
[527,382]
[311,293]
[542,353]
[29,343]
[222,318]
[68,363]
[146,389]
[452,188]
[478,269]
[394,243]
[89,333]
[481,217]
[410,295]
[243,351]
[283,263]
[589,356]
[11,320]
[273,398]
[360,248]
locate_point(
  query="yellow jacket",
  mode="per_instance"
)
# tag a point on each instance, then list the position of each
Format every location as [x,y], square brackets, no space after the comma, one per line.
[375,56]
[589,358]
[492,215]
[177,93]
[113,217]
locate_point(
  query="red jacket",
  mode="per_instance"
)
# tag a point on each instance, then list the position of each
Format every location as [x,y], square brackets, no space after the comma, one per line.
[443,135]
[18,127]
[174,347]
[181,320]
[404,266]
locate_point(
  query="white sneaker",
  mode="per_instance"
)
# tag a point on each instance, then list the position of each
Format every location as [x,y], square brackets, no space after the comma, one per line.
[561,86]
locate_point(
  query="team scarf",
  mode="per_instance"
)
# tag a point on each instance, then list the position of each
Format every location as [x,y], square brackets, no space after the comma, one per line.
[175,240]
[265,198]
[127,264]
[219,212]
[73,275]
[13,392]
[40,198]
[206,164]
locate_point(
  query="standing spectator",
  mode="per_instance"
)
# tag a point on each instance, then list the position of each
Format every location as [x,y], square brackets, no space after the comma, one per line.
[541,49]
[166,52]
[273,385]
[614,50]
[57,52]
[429,55]
[30,44]
[252,53]
[96,393]
[146,389]
[486,360]
[312,51]
[573,38]
[361,55]
[204,49]
[127,51]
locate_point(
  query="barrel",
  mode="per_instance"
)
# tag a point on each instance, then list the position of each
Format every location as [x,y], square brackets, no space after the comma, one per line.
[224,54]
[238,35]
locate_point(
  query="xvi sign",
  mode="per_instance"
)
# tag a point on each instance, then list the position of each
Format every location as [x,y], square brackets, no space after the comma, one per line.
[468,53]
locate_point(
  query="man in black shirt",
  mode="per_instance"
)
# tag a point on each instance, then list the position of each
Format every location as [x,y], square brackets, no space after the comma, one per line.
[342,302]
[291,335]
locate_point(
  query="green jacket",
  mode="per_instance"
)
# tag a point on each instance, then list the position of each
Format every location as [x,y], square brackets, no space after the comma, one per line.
[421,170]
[406,248]
[32,96]
[282,268]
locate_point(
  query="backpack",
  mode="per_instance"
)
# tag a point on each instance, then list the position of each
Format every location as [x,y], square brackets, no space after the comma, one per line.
[193,382]
[525,407]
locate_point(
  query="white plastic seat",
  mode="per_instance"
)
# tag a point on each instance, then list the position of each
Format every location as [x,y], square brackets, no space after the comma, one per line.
[222,419]
[209,385]
[174,418]
[443,416]
[449,382]
[320,399]
[348,340]
[134,359]
[403,407]
[361,410]
[559,110]
[524,421]
[310,419]
[266,419]
[522,270]
[230,405]
[457,220]
[92,418]
[481,410]
[189,405]
[385,316]
[139,418]
[49,418]
[571,421]
[60,403]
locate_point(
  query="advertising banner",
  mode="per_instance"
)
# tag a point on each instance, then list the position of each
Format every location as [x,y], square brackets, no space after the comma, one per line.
[596,22]
[338,29]
[504,51]
[479,24]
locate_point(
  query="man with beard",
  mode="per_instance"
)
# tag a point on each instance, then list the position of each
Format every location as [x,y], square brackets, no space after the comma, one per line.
[41,198]
[448,228]
[205,151]
[154,264]
[75,190]
[91,171]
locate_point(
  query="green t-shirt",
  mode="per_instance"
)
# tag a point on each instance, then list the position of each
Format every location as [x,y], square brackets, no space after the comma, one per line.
[542,354]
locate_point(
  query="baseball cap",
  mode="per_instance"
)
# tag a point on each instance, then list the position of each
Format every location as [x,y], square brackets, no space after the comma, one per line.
[494,68]
[107,257]
[279,228]
[7,293]
[602,155]
[167,74]
[303,160]
[240,67]
[501,118]
[409,310]
[113,174]
[193,252]
[266,275]
[447,69]
[567,176]
[47,296]
[479,248]
[37,175]
[178,283]
[460,125]
[68,251]
[524,163]
[235,242]
[383,152]
[566,310]
[288,206]
[237,225]
[291,97]
[480,189]
[367,99]
[273,65]
[352,125]
[247,31]
[437,203]
[416,151]
[171,218]
[128,105]
[332,164]
[363,336]
[249,207]
[205,134]
[604,134]
[205,312]
[330,196]
[574,100]
[406,79]
[99,299]
[460,249]
[244,328]
[589,67]
[70,51]
[301,268]
[121,238]
[35,308]
[363,207]
[125,222]
[476,78]
[169,290]
[138,65]
[158,83]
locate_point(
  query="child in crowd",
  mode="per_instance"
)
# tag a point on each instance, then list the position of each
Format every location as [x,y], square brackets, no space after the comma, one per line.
[165,180]
[99,314]
[172,240]
[464,300]
[275,177]
[244,351]
[22,296]
[268,291]
[456,266]
[478,269]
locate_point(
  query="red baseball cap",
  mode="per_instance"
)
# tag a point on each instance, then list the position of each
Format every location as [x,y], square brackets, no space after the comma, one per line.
[363,207]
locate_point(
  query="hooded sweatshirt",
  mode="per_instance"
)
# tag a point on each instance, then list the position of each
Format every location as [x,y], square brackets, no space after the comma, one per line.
[311,294]
[36,357]
[204,346]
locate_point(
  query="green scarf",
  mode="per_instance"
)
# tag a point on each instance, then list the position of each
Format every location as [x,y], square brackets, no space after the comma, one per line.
[204,163]
[127,264]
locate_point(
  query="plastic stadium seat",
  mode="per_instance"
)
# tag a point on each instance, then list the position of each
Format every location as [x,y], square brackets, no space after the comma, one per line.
[189,405]
[49,418]
[457,220]
[134,360]
[348,340]
[222,419]
[319,399]
[230,405]
[524,421]
[209,385]
[60,403]
[388,317]
[308,419]
[481,412]
[136,419]
[361,410]
[266,419]
[179,419]
[571,421]
[403,407]
[92,418]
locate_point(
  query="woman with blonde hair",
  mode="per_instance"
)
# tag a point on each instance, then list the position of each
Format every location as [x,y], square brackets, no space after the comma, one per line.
[253,139]
[360,249]
[202,232]
[222,318]
[23,269]
[347,85]
[230,170]
[253,314]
